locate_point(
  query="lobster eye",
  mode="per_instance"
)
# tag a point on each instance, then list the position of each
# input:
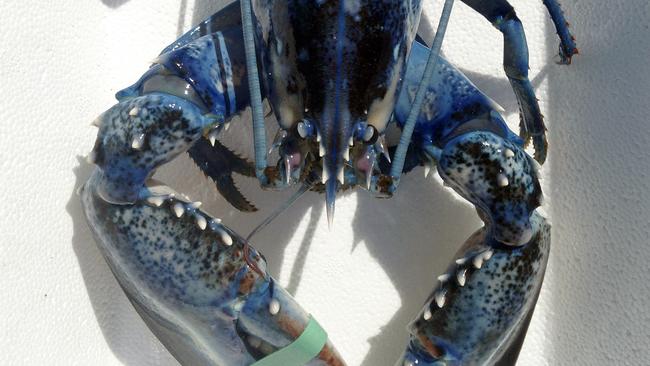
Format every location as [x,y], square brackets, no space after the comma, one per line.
[173,85]
[370,135]
[306,129]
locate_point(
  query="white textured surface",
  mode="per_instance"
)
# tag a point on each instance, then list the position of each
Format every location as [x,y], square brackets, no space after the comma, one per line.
[62,61]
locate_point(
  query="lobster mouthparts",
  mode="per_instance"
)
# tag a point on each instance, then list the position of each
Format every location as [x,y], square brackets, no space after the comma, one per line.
[333,71]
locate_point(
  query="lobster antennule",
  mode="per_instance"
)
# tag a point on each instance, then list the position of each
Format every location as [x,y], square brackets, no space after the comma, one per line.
[330,199]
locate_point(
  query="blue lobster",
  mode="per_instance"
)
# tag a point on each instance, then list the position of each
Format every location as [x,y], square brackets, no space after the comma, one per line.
[338,74]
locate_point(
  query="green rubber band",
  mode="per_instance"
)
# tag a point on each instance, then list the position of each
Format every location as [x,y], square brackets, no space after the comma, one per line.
[299,352]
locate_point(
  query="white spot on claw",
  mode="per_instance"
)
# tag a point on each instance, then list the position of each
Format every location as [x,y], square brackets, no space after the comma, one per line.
[509,153]
[137,142]
[488,254]
[440,297]
[225,237]
[156,200]
[274,307]
[201,222]
[427,314]
[478,261]
[134,111]
[461,277]
[179,209]
[502,180]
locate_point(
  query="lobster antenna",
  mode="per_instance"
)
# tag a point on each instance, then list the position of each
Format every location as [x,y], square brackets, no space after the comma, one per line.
[259,131]
[434,55]
[304,188]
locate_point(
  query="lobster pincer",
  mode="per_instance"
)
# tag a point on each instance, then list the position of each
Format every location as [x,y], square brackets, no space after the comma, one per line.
[477,313]
[184,271]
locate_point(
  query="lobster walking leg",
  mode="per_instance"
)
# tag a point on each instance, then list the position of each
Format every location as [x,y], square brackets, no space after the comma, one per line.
[479,311]
[515,61]
[568,46]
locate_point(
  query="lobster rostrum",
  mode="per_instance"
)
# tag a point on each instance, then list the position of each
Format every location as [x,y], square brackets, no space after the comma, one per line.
[338,74]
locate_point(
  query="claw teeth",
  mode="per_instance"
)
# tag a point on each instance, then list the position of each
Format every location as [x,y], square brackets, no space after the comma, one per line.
[156,200]
[502,180]
[274,307]
[137,142]
[317,136]
[201,222]
[196,204]
[351,141]
[509,153]
[340,176]
[179,210]
[488,254]
[427,314]
[97,122]
[346,154]
[461,277]
[461,261]
[134,111]
[321,150]
[478,261]
[225,237]
[443,277]
[226,126]
[440,297]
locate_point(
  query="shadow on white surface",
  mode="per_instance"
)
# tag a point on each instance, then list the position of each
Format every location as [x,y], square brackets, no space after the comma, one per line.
[125,333]
[114,3]
[599,169]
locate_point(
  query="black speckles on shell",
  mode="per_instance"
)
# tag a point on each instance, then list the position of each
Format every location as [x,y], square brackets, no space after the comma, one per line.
[475,165]
[477,317]
[170,258]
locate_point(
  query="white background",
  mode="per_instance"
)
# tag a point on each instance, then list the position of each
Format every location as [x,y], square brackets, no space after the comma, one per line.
[62,61]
